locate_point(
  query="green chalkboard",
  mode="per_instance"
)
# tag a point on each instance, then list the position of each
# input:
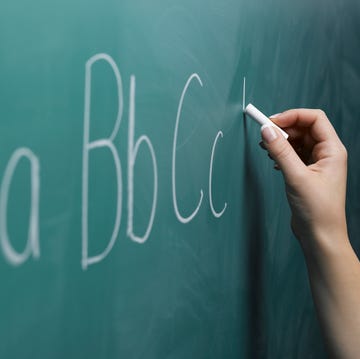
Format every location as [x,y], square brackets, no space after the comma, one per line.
[138,216]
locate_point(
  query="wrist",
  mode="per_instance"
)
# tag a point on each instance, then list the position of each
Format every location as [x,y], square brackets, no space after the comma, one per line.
[326,241]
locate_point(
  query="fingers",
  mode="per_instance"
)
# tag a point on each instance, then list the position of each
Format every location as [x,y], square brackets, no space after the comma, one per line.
[313,145]
[315,120]
[281,151]
[276,166]
[302,151]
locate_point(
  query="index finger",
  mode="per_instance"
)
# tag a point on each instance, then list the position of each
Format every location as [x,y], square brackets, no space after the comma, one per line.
[316,120]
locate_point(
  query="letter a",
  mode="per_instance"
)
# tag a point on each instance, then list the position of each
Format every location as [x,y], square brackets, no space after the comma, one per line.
[32,246]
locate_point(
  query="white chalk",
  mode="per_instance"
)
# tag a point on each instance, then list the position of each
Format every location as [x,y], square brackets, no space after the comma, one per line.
[260,118]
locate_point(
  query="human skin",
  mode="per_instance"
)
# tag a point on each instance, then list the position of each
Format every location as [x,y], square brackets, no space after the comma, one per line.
[314,166]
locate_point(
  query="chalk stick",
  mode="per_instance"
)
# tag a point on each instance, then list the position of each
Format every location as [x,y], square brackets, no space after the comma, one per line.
[260,118]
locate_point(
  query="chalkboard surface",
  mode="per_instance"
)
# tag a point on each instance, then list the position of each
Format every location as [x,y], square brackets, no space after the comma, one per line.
[138,216]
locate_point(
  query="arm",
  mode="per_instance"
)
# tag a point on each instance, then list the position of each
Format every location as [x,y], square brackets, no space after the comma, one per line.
[314,166]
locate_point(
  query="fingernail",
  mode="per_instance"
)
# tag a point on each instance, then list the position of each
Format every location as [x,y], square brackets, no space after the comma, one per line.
[268,133]
[276,115]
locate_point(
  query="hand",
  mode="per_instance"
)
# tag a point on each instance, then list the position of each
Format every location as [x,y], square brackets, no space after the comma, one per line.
[314,164]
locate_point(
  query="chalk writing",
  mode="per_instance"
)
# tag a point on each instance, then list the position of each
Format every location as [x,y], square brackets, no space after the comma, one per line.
[90,145]
[214,212]
[93,145]
[132,153]
[179,216]
[32,247]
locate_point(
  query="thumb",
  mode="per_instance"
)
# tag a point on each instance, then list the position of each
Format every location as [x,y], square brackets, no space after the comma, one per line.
[283,153]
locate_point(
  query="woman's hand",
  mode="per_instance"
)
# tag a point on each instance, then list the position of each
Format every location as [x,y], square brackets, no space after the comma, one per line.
[314,165]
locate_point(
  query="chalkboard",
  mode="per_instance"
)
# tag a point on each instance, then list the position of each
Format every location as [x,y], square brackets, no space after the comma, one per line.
[138,216]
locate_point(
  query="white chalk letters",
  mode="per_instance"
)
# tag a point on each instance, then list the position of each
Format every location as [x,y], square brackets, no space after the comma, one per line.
[132,153]
[93,145]
[176,208]
[90,145]
[32,247]
[216,214]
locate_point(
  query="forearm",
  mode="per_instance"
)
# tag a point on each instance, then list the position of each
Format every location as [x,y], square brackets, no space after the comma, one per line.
[314,165]
[334,272]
